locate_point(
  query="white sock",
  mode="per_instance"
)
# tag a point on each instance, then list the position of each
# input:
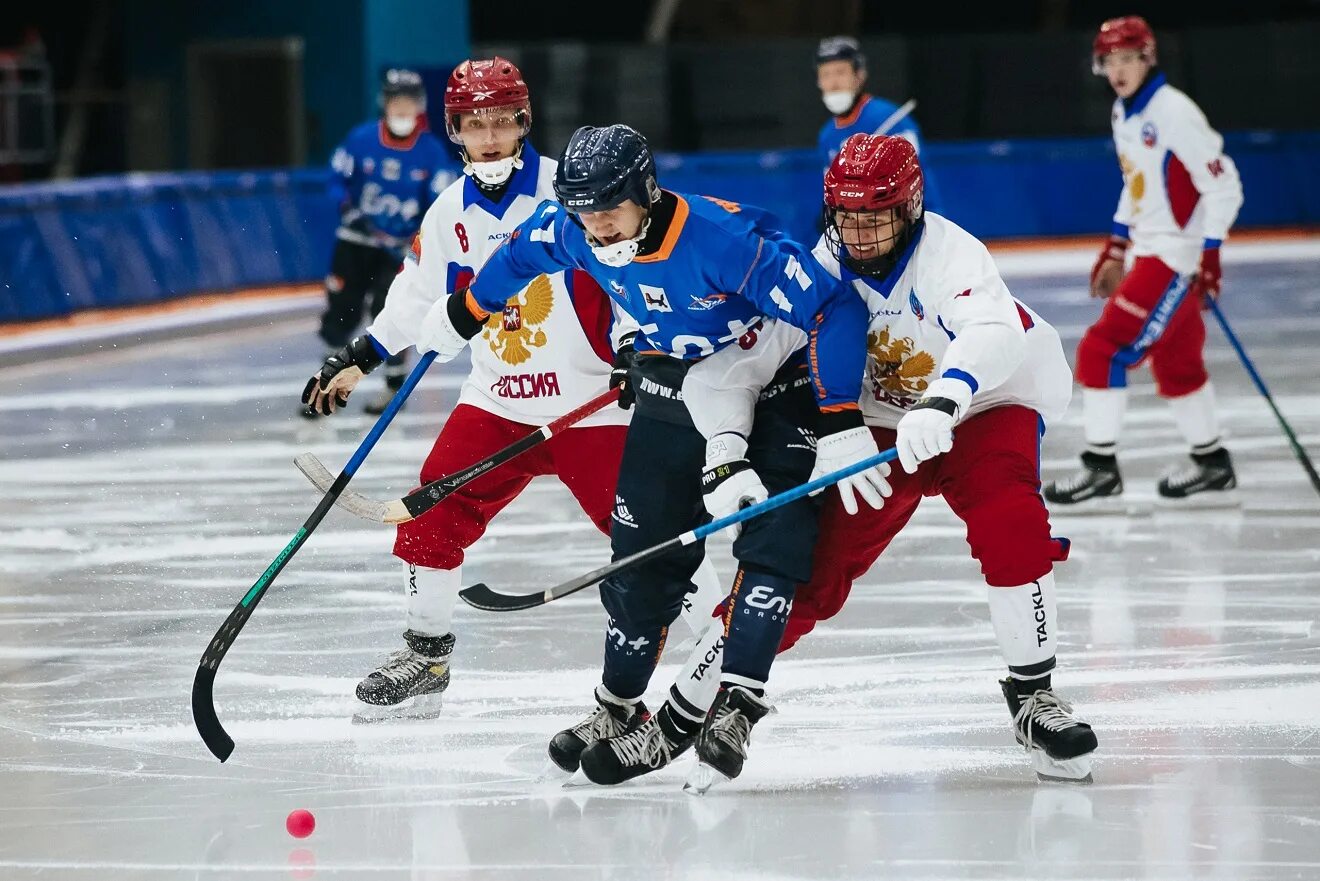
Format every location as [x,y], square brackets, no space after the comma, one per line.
[1026,622]
[1102,417]
[1197,419]
[432,595]
[697,682]
[701,601]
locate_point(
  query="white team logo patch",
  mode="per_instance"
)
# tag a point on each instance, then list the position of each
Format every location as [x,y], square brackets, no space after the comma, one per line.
[656,299]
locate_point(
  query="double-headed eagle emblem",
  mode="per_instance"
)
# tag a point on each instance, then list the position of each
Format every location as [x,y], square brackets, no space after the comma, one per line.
[515,332]
[894,367]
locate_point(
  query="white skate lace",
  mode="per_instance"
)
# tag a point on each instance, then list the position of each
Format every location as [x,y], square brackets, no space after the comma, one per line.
[1045,709]
[404,665]
[645,746]
[732,727]
[600,726]
[1184,477]
[1076,482]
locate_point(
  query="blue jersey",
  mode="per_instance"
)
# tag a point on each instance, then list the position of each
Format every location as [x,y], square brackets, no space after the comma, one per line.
[385,184]
[866,118]
[719,269]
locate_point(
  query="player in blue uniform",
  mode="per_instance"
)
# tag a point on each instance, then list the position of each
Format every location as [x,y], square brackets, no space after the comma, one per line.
[841,78]
[711,284]
[387,172]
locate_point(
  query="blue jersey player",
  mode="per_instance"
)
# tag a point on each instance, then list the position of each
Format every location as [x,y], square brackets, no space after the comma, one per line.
[713,287]
[387,172]
[841,78]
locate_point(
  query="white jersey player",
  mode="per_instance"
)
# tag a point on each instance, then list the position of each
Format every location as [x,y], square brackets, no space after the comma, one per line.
[1180,196]
[551,350]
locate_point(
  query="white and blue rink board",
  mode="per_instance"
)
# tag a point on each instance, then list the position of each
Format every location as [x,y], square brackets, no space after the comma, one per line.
[144,489]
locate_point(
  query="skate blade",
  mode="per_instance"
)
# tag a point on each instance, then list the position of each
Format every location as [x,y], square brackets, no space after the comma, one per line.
[1102,506]
[577,781]
[1074,771]
[702,778]
[418,709]
[1209,500]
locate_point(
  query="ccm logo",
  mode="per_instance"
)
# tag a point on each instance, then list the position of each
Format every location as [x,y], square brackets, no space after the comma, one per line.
[851,194]
[576,202]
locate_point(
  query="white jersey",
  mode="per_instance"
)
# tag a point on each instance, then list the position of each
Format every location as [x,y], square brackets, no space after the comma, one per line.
[944,312]
[548,352]
[1180,191]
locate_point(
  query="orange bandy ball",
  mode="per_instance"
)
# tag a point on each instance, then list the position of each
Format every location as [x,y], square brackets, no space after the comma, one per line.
[300,823]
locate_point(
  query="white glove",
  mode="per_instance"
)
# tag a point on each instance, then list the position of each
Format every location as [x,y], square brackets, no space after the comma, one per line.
[438,333]
[728,482]
[927,430]
[844,448]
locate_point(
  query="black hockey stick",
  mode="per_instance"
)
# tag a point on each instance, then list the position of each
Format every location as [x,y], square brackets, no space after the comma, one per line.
[213,734]
[1298,450]
[419,501]
[480,596]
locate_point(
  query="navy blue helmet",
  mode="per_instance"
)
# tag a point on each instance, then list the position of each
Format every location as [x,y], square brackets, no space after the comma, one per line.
[840,49]
[399,82]
[601,168]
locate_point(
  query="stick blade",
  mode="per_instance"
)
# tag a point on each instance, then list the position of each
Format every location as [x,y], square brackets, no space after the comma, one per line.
[355,503]
[479,596]
[213,734]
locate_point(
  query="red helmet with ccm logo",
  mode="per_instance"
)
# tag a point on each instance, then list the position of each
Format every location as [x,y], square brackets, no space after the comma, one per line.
[483,86]
[875,172]
[1128,32]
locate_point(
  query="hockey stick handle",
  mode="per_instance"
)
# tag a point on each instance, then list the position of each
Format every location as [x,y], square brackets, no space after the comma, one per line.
[213,734]
[482,597]
[896,117]
[419,501]
[1298,450]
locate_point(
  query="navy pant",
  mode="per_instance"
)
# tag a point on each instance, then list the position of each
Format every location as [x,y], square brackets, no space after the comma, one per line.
[659,497]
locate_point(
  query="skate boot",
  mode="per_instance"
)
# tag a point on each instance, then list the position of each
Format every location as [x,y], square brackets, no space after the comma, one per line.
[649,747]
[376,405]
[396,371]
[1098,479]
[410,683]
[722,743]
[1210,478]
[1060,744]
[612,718]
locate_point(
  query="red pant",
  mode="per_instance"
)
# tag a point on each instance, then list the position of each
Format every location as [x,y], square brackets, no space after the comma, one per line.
[1151,312]
[586,460]
[991,480]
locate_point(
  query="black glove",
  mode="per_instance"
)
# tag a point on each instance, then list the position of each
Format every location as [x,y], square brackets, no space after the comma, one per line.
[623,364]
[360,353]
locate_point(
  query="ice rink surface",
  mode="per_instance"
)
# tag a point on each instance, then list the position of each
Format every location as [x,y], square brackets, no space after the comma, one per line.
[143,491]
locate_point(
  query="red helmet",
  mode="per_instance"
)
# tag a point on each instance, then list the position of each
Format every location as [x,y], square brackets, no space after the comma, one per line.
[1128,32]
[873,173]
[483,86]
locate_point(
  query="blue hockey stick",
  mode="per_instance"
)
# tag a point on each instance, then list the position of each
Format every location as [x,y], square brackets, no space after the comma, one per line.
[213,734]
[482,597]
[1307,465]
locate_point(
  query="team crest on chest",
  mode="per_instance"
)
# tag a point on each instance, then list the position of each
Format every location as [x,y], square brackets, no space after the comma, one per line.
[1149,134]
[897,373]
[917,309]
[515,332]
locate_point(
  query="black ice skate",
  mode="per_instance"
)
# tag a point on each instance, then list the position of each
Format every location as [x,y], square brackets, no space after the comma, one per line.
[1210,479]
[610,719]
[1098,479]
[722,743]
[649,747]
[1060,744]
[410,683]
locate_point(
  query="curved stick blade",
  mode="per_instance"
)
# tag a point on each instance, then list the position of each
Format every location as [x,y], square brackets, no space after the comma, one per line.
[213,734]
[355,503]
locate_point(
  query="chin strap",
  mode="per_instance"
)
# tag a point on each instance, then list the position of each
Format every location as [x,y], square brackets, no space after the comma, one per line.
[620,253]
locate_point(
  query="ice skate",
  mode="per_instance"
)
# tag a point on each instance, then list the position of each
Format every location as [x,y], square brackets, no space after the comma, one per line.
[611,718]
[649,747]
[722,743]
[1097,486]
[1060,744]
[410,683]
[1208,482]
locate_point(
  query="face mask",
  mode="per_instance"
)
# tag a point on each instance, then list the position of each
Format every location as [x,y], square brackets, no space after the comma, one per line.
[401,126]
[617,254]
[494,173]
[838,102]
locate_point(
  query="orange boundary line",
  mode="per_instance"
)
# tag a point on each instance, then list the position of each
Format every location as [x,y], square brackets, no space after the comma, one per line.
[108,316]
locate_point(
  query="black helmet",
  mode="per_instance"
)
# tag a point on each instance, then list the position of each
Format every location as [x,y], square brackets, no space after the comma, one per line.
[601,168]
[841,49]
[399,82]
